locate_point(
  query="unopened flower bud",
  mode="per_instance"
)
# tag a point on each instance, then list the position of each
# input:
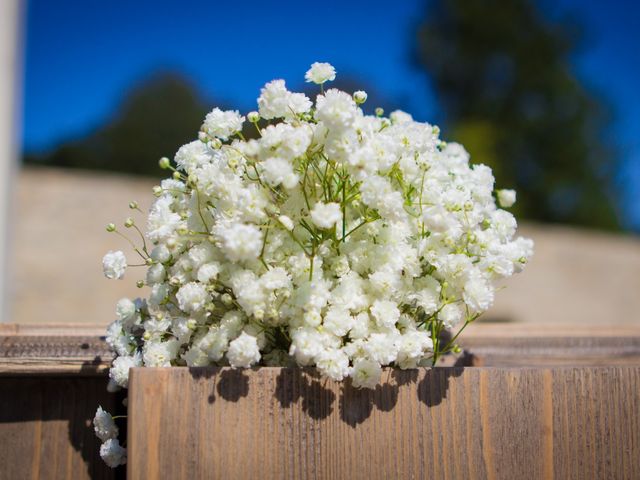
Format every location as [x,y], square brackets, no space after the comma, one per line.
[226,299]
[215,144]
[140,283]
[157,190]
[129,222]
[506,198]
[111,227]
[175,281]
[149,261]
[164,163]
[133,205]
[286,222]
[192,324]
[253,116]
[360,97]
[146,336]
[177,176]
[379,112]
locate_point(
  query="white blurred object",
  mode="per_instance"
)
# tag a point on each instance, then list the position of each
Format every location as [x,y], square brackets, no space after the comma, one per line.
[10,69]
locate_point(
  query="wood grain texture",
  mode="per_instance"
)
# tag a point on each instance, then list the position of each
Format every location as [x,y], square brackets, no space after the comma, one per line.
[53,350]
[45,427]
[527,351]
[445,423]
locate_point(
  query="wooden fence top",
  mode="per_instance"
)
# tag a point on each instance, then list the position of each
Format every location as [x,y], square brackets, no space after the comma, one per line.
[81,349]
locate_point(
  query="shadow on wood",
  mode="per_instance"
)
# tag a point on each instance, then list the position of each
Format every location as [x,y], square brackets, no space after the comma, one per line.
[451,423]
[45,424]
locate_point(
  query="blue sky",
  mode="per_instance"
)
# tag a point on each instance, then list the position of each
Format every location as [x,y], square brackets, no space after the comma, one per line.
[82,56]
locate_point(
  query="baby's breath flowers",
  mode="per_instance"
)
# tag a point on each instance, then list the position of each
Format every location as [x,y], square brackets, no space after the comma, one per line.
[114,265]
[334,239]
[320,73]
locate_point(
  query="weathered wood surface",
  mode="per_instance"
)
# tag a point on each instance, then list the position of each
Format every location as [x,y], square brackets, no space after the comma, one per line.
[446,423]
[45,427]
[81,349]
[53,350]
[52,377]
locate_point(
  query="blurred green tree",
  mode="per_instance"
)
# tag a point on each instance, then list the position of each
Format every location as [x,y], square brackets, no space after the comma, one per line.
[155,118]
[502,74]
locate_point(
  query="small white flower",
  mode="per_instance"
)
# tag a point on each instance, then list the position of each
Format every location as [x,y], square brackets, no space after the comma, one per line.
[326,215]
[239,241]
[336,109]
[125,309]
[451,315]
[119,371]
[320,73]
[156,274]
[192,297]
[398,116]
[366,374]
[104,426]
[385,312]
[506,198]
[114,264]
[208,272]
[112,453]
[478,295]
[193,155]
[278,171]
[222,124]
[333,363]
[243,351]
[276,101]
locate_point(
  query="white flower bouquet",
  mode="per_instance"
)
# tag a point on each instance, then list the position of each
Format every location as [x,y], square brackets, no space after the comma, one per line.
[334,239]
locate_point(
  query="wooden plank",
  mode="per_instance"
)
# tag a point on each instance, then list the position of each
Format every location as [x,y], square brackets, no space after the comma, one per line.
[482,329]
[53,350]
[73,349]
[53,329]
[450,423]
[530,351]
[45,427]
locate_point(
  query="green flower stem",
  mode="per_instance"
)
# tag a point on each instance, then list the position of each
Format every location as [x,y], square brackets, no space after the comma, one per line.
[133,245]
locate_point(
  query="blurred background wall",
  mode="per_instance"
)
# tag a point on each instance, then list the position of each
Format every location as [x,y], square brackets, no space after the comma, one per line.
[543,92]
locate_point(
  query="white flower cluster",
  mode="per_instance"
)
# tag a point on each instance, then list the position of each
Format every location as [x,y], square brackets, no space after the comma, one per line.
[107,431]
[332,239]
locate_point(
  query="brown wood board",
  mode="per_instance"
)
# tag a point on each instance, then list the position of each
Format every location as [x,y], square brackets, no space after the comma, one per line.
[45,427]
[451,423]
